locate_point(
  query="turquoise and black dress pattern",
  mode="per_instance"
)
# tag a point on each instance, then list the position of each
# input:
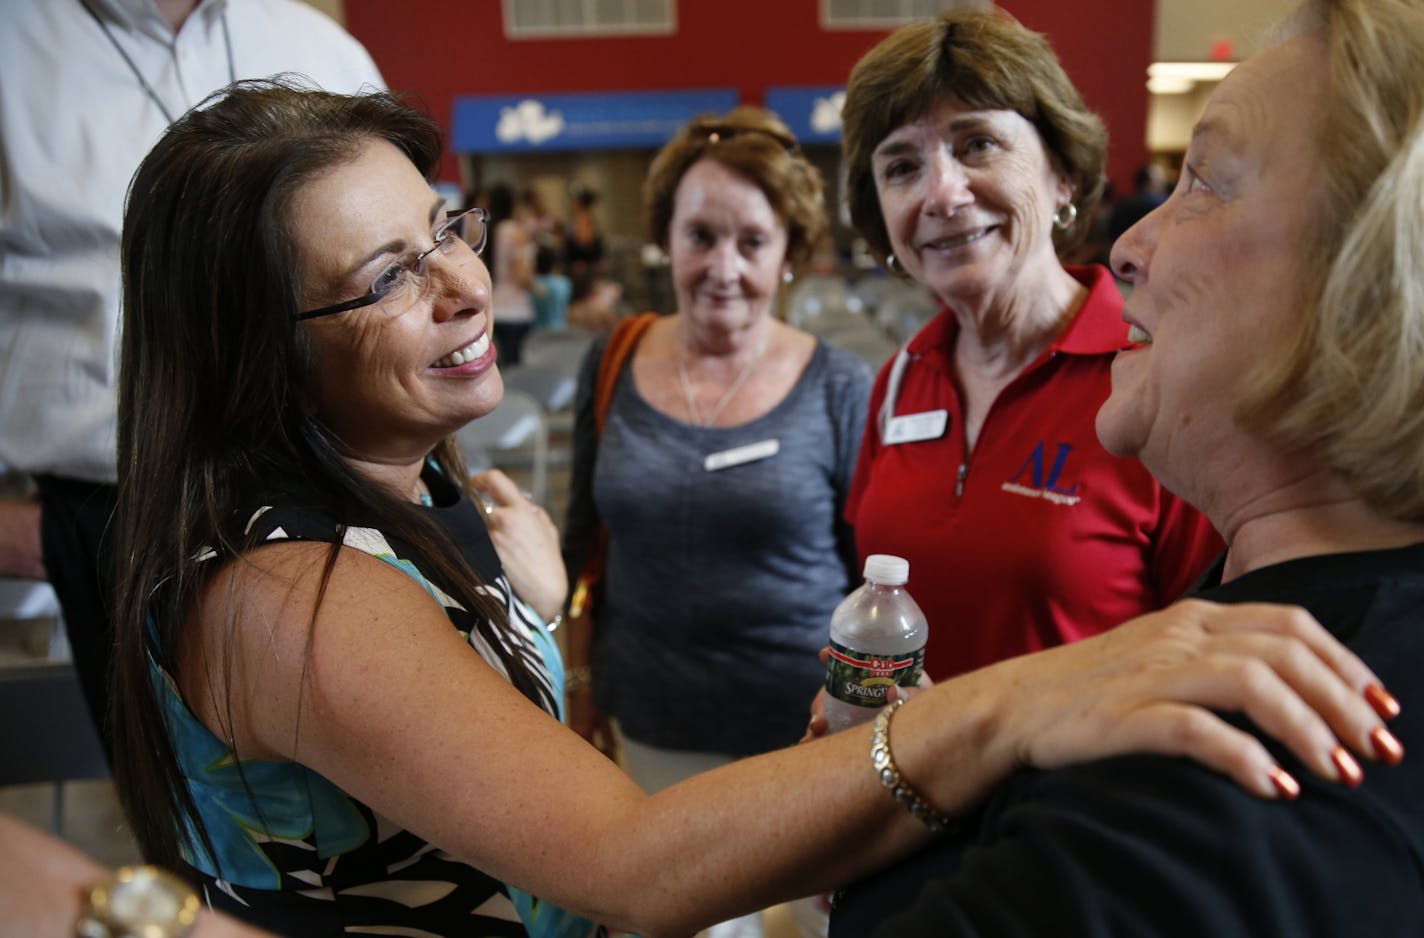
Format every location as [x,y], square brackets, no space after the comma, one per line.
[297,855]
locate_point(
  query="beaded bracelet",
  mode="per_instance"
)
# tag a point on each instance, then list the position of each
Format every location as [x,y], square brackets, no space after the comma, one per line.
[893,781]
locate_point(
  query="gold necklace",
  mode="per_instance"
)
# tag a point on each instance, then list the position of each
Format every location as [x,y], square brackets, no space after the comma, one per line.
[730,393]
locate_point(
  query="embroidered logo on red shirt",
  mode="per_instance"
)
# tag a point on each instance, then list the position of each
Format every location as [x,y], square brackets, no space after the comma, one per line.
[1048,487]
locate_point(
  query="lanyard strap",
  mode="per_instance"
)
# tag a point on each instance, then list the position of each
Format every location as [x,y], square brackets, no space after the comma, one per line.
[143,82]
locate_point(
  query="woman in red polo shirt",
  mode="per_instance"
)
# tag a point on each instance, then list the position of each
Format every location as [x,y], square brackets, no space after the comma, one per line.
[972,162]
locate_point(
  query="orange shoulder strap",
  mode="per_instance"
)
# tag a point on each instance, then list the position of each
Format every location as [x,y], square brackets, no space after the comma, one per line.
[615,355]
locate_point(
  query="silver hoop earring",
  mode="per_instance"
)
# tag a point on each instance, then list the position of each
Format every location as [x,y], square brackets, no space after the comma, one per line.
[894,266]
[1066,215]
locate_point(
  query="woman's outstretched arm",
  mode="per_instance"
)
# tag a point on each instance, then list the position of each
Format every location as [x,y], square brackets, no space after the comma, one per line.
[397,710]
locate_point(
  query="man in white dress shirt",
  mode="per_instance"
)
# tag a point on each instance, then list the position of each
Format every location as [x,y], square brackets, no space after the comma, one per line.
[86,88]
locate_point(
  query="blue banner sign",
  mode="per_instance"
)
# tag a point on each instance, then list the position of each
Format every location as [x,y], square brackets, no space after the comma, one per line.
[549,122]
[813,114]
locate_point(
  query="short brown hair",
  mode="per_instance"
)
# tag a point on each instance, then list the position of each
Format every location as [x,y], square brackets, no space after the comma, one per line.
[756,144]
[986,60]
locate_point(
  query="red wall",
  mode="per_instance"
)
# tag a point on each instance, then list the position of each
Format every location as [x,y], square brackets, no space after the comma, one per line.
[440,49]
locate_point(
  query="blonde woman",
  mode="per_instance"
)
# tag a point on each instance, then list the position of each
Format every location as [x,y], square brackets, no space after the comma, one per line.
[1274,380]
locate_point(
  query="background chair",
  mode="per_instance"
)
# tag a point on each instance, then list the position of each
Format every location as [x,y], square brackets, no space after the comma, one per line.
[869,290]
[562,347]
[554,387]
[870,344]
[549,371]
[903,309]
[46,734]
[816,302]
[551,385]
[515,435]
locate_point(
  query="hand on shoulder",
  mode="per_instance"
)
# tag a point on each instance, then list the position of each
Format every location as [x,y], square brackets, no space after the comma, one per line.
[1151,685]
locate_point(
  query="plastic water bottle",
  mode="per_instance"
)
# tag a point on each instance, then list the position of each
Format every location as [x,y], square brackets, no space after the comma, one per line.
[878,636]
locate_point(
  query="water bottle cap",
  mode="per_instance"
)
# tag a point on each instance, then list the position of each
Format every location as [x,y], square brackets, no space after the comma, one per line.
[887,569]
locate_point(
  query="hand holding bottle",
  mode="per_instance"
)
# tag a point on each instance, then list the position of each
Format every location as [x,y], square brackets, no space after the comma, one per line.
[878,636]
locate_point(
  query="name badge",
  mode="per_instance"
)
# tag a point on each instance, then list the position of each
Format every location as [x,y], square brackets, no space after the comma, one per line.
[741,455]
[913,428]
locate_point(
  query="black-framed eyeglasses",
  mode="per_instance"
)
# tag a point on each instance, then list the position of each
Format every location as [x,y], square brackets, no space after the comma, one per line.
[401,283]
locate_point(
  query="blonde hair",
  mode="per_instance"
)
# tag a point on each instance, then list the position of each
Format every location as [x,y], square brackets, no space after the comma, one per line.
[986,60]
[1350,388]
[753,143]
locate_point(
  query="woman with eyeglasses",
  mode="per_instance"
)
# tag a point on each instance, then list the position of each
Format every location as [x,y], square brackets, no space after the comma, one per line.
[335,711]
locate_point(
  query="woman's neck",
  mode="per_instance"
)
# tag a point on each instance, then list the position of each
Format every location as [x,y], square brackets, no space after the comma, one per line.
[1310,516]
[1000,337]
[730,346]
[1000,333]
[401,480]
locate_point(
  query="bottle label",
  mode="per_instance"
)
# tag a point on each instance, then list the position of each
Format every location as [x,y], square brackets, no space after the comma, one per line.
[861,679]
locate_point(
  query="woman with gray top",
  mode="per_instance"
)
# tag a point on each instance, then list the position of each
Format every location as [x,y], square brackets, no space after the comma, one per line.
[720,474]
[723,466]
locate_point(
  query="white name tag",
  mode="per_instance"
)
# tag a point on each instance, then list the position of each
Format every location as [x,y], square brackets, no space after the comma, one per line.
[912,428]
[741,455]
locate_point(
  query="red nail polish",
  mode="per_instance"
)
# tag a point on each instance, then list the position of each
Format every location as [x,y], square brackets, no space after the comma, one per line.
[1285,783]
[1383,701]
[1349,770]
[1388,748]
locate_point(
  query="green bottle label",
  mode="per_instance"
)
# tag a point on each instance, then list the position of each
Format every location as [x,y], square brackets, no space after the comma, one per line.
[861,679]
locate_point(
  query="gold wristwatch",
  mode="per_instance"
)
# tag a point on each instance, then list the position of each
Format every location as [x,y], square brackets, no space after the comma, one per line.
[138,902]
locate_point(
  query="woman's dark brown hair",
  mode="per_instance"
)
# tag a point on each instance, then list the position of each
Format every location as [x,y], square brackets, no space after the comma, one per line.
[210,403]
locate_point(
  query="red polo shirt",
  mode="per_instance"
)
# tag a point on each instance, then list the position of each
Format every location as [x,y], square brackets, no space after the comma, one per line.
[1040,536]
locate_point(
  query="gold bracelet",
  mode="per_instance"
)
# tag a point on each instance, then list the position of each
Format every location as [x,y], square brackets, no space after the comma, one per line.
[893,781]
[576,679]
